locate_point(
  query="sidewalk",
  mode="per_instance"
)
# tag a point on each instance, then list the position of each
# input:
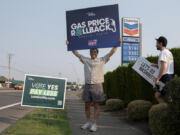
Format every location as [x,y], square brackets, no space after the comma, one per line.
[110,123]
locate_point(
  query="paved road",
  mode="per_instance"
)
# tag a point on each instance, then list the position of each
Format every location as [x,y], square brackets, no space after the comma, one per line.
[109,123]
[9,97]
[10,115]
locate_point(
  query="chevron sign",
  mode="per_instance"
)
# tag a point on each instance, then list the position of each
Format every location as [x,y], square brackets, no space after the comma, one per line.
[131,27]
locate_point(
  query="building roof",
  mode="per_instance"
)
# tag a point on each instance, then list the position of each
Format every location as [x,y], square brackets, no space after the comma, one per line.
[3,79]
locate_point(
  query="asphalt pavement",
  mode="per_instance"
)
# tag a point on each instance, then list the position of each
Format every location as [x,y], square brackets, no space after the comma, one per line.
[110,123]
[10,109]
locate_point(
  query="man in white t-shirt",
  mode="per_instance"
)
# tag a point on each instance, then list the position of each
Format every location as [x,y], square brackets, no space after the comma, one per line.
[94,77]
[165,66]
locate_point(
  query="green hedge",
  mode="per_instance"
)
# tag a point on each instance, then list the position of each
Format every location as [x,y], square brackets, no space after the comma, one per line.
[124,83]
[159,120]
[164,119]
[138,110]
[114,104]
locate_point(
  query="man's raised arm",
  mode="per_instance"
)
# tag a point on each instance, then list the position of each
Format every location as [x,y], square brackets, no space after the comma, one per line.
[76,54]
[113,50]
[74,51]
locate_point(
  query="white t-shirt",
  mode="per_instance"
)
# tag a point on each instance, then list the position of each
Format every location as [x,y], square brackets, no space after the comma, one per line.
[166,56]
[94,69]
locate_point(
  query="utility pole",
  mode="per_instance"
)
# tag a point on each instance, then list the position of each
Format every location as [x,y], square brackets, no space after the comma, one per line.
[59,74]
[140,38]
[9,68]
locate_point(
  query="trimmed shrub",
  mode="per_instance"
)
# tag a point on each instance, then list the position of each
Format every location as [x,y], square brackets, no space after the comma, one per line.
[173,99]
[172,89]
[159,120]
[176,55]
[138,110]
[164,119]
[114,104]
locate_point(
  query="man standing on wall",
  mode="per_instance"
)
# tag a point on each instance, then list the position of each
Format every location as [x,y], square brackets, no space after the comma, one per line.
[94,77]
[165,66]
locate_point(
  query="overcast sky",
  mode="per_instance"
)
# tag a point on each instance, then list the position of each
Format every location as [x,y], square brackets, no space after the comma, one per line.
[34,32]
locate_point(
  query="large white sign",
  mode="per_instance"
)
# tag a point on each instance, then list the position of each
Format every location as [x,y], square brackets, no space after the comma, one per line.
[147,71]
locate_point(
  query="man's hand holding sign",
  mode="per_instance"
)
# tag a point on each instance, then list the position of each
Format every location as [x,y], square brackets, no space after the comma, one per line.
[148,71]
[113,50]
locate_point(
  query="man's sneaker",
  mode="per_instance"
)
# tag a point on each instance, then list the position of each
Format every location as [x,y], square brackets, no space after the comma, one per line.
[86,125]
[93,128]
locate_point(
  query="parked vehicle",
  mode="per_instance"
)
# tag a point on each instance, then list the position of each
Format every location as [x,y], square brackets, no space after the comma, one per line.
[18,87]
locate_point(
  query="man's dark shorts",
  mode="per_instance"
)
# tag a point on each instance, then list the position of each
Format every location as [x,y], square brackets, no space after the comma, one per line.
[165,79]
[93,93]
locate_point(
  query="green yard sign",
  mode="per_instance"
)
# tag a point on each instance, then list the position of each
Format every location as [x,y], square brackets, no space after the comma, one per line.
[44,92]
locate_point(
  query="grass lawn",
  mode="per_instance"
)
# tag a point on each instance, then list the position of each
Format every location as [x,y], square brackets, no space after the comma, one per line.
[42,122]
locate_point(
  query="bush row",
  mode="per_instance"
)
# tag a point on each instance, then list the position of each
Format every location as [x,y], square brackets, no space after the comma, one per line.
[164,118]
